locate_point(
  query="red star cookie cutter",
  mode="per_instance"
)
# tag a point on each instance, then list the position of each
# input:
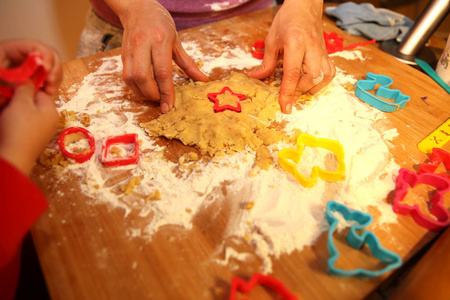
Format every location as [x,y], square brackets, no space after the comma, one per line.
[217,108]
[407,179]
[237,284]
[110,141]
[335,43]
[32,68]
[82,157]
[437,157]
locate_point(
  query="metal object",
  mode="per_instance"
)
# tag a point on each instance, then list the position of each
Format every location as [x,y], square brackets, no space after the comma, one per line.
[413,45]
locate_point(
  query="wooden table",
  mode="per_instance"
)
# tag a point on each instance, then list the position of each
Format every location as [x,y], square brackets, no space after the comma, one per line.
[85,253]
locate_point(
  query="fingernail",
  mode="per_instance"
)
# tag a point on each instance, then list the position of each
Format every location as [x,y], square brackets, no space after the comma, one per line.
[288,108]
[164,108]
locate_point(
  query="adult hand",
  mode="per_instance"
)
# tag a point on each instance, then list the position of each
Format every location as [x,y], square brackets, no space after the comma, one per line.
[27,123]
[149,44]
[14,53]
[296,34]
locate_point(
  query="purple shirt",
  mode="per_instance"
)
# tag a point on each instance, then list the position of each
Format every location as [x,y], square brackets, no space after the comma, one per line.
[187,13]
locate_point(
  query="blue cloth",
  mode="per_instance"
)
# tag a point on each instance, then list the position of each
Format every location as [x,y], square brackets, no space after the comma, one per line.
[373,23]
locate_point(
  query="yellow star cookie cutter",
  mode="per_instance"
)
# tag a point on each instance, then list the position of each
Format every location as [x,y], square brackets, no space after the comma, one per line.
[290,158]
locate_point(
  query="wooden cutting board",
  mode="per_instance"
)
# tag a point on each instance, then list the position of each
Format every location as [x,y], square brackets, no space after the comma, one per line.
[85,252]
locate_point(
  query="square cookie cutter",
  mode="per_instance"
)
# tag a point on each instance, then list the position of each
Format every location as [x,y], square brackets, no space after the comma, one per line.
[108,142]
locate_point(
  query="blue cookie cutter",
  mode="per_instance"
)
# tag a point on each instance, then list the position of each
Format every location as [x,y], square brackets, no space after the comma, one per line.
[356,241]
[368,84]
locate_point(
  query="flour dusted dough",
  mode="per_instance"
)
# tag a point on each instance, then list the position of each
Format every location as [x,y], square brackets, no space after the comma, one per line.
[195,123]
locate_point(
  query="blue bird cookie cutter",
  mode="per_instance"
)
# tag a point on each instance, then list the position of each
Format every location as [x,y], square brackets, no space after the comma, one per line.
[368,84]
[391,259]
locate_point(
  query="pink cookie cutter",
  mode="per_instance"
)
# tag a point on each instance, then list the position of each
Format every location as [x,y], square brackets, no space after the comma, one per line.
[407,179]
[437,157]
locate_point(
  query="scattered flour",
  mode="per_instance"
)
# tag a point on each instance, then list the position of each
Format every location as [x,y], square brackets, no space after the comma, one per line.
[348,55]
[285,216]
[230,58]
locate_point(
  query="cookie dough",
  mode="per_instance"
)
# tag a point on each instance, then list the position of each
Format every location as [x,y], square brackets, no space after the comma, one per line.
[195,123]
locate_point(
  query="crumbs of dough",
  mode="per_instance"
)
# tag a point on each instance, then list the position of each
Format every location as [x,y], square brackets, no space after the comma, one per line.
[127,188]
[53,157]
[66,117]
[155,196]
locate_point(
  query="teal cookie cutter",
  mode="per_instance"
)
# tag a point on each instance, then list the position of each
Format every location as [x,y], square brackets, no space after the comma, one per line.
[368,84]
[391,259]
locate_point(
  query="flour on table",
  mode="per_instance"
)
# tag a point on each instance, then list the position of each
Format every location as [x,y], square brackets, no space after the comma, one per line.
[284,217]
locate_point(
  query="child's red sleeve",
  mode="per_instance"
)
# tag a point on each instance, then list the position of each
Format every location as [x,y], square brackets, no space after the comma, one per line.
[21,204]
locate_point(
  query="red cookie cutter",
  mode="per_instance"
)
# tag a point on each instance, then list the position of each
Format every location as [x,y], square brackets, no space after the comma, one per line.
[258,49]
[217,108]
[131,138]
[237,284]
[79,158]
[31,68]
[407,179]
[437,157]
[335,43]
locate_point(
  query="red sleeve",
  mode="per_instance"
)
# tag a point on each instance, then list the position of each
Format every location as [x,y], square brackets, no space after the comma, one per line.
[21,204]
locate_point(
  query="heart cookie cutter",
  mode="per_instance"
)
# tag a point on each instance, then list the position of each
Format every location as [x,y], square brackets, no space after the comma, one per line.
[437,157]
[368,84]
[356,241]
[213,98]
[108,142]
[237,284]
[407,179]
[289,159]
[78,157]
[31,68]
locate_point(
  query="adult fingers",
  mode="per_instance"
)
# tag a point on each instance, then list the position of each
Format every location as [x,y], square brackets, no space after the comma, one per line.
[328,71]
[312,70]
[269,61]
[162,68]
[292,71]
[138,73]
[187,64]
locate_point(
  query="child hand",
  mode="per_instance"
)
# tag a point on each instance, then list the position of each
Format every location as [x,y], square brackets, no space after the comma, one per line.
[14,53]
[27,124]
